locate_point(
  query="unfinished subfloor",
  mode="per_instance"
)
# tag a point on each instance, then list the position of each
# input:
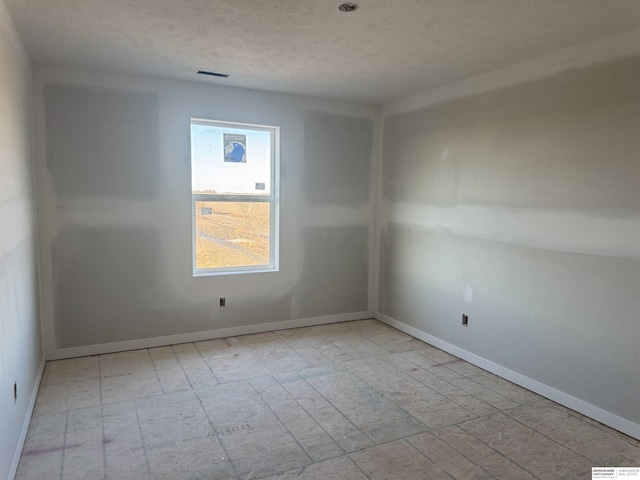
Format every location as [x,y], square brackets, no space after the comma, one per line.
[351,400]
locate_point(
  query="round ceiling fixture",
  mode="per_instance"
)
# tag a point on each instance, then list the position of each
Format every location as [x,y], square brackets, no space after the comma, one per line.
[348,7]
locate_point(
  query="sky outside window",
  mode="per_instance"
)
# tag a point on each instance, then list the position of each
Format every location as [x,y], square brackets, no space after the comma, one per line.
[209,171]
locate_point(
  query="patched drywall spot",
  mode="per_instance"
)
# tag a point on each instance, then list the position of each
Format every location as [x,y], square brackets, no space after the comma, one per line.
[106,284]
[568,141]
[335,271]
[101,142]
[467,294]
[337,153]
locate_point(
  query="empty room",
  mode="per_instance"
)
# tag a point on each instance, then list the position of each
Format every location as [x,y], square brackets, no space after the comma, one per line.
[384,240]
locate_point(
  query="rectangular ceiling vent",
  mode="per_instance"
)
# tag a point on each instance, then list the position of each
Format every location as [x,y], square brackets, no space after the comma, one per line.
[213,74]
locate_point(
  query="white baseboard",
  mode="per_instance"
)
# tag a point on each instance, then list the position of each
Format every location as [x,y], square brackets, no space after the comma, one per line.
[98,349]
[614,421]
[13,468]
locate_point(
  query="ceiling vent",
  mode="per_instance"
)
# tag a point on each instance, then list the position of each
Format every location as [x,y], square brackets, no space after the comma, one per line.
[348,7]
[213,74]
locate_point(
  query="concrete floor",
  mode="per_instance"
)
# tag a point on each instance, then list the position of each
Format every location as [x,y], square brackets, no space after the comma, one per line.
[352,400]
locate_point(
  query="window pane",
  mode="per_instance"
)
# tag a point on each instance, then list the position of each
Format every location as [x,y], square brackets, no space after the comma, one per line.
[234,188]
[232,234]
[228,160]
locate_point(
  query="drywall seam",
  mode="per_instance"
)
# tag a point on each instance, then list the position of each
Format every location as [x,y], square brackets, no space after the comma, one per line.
[566,231]
[378,222]
[8,26]
[616,46]
[38,151]
[98,349]
[621,424]
[27,420]
[36,233]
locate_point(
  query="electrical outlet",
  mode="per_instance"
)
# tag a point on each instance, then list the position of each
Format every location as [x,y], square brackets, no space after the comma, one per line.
[465,320]
[15,392]
[223,302]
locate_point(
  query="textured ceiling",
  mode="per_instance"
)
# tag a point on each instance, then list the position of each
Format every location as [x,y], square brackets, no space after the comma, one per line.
[385,50]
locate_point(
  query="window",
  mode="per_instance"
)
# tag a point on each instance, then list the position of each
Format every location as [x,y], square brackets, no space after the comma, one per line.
[234,191]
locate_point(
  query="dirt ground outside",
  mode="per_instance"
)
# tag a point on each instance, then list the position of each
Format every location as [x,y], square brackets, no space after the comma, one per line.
[232,234]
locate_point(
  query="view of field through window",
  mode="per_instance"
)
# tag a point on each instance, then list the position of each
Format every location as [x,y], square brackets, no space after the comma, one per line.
[232,234]
[233,198]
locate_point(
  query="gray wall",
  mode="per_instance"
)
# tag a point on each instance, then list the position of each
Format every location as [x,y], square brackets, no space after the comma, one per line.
[114,192]
[20,342]
[521,208]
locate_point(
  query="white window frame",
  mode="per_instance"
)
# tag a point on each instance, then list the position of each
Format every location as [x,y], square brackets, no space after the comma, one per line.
[273,199]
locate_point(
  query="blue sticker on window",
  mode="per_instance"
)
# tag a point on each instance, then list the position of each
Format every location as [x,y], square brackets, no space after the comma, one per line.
[235,148]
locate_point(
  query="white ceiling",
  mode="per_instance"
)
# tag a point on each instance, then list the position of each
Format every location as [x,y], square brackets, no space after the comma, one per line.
[385,50]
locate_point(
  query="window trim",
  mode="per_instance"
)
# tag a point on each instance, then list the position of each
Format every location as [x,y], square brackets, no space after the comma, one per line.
[273,198]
